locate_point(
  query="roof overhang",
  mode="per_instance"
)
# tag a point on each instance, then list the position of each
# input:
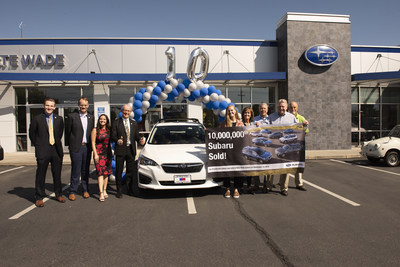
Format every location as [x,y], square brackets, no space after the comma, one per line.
[381,77]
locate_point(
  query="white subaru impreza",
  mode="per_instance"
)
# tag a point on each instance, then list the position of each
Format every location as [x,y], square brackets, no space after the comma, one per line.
[174,157]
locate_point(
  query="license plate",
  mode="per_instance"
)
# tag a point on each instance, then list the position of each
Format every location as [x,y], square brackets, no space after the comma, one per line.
[182,179]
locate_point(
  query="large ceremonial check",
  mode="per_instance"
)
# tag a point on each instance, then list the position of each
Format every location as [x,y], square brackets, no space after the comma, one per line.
[252,151]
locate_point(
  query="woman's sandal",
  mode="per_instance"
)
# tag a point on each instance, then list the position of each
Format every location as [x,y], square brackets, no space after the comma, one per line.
[105,194]
[101,198]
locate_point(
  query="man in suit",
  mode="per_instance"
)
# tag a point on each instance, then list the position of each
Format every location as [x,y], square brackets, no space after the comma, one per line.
[45,133]
[124,132]
[78,133]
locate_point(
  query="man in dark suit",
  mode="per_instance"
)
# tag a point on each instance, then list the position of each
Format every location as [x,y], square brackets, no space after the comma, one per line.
[78,132]
[45,132]
[124,132]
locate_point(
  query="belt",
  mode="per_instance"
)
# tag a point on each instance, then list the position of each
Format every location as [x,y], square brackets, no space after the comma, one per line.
[84,144]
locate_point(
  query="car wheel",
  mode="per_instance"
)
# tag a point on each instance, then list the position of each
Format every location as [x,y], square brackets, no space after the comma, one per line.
[373,160]
[261,161]
[283,155]
[392,159]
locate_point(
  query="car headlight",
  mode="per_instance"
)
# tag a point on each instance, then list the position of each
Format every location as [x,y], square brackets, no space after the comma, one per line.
[377,146]
[146,161]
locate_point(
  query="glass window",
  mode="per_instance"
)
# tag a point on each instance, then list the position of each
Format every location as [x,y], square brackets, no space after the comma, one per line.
[20,97]
[20,114]
[263,94]
[209,118]
[174,111]
[62,95]
[121,95]
[354,138]
[370,117]
[239,94]
[391,116]
[367,136]
[354,117]
[22,143]
[369,95]
[354,95]
[391,95]
[88,92]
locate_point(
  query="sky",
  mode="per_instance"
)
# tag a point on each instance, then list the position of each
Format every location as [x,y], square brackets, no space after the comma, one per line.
[372,22]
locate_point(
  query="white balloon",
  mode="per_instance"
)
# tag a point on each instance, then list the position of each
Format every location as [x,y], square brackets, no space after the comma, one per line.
[186,92]
[111,178]
[223,113]
[144,110]
[228,100]
[213,97]
[216,111]
[149,89]
[192,87]
[240,115]
[163,96]
[154,84]
[132,115]
[146,96]
[131,105]
[145,104]
[206,85]
[221,98]
[206,99]
[131,99]
[199,85]
[168,88]
[173,83]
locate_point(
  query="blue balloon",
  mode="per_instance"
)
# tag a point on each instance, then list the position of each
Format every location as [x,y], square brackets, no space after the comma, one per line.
[174,92]
[153,99]
[113,165]
[220,118]
[191,98]
[113,145]
[231,104]
[180,87]
[142,90]
[139,119]
[139,96]
[137,104]
[170,97]
[203,91]
[209,105]
[215,104]
[186,82]
[120,115]
[157,90]
[161,84]
[123,176]
[223,105]
[138,112]
[153,104]
[211,89]
[196,93]
[218,92]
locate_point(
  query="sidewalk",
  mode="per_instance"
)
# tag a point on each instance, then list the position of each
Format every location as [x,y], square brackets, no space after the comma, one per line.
[28,159]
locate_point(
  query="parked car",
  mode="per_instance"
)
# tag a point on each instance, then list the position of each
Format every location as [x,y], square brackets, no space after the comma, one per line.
[256,154]
[288,131]
[289,138]
[256,133]
[288,149]
[174,157]
[262,141]
[386,148]
[275,135]
[266,131]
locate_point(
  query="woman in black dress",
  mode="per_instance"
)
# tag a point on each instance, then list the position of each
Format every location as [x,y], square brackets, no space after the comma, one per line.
[102,154]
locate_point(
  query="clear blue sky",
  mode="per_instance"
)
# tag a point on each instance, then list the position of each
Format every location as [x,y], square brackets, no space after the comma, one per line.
[372,22]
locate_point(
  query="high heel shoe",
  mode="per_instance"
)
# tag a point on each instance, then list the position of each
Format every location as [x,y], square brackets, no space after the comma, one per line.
[101,198]
[105,194]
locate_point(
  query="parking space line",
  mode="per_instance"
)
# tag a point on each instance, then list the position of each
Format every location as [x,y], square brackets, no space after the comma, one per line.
[366,167]
[348,201]
[13,169]
[190,203]
[28,209]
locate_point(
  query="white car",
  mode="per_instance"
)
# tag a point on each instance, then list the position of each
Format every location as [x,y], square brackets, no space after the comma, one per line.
[386,148]
[174,157]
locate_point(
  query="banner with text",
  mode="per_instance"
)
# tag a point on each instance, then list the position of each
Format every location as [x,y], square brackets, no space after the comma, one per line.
[252,151]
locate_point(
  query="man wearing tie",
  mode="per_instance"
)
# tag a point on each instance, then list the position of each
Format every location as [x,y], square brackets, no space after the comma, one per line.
[45,133]
[124,132]
[77,132]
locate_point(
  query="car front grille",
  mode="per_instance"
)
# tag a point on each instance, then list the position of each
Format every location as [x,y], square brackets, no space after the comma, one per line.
[192,183]
[182,167]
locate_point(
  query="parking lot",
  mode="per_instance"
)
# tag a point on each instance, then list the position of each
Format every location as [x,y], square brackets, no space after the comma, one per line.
[348,217]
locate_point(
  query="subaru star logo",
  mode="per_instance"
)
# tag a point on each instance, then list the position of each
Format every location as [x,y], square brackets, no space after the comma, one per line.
[321,55]
[182,166]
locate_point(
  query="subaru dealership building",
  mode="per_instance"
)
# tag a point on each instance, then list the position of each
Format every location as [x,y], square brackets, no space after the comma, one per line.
[348,93]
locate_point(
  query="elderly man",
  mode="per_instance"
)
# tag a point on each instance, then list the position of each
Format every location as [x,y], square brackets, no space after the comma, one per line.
[279,118]
[293,108]
[124,132]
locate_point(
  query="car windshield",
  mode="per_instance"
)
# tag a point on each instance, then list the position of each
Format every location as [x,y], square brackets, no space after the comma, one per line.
[177,134]
[259,151]
[395,132]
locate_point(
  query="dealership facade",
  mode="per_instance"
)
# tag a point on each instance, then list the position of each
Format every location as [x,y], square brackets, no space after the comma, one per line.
[354,97]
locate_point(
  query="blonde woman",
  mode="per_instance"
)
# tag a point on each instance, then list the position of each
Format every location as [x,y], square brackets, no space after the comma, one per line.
[232,120]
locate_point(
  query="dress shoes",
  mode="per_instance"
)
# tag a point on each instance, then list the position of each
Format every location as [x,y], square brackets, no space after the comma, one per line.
[284,193]
[39,203]
[60,199]
[86,195]
[71,197]
[301,188]
[119,195]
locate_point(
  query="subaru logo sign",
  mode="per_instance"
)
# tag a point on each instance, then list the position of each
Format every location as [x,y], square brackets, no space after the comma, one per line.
[321,55]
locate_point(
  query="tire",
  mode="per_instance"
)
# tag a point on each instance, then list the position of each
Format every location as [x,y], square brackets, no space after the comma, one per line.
[373,160]
[392,159]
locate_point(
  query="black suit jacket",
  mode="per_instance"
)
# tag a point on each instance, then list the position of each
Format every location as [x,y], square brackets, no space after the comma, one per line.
[118,130]
[39,135]
[74,131]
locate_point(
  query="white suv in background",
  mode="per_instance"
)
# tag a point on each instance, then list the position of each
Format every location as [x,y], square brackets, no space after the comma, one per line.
[386,148]
[174,157]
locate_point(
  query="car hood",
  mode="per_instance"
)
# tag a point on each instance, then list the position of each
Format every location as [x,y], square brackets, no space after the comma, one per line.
[175,153]
[382,140]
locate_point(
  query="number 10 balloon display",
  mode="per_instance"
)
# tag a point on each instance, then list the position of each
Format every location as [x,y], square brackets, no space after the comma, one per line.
[191,88]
